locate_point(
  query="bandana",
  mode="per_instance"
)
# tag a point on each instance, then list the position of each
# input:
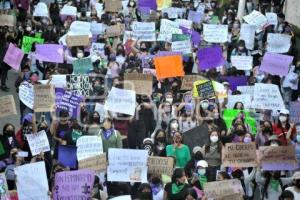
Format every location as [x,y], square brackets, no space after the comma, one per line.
[202,180]
[155,189]
[274,185]
[108,133]
[177,188]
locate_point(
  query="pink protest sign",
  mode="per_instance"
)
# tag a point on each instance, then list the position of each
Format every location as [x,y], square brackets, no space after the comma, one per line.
[276,64]
[50,53]
[13,56]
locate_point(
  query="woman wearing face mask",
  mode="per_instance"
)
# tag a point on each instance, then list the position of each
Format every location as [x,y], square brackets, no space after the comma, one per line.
[94,126]
[190,167]
[283,127]
[264,133]
[157,187]
[7,141]
[180,151]
[200,177]
[176,189]
[160,143]
[295,189]
[212,154]
[120,54]
[145,192]
[173,127]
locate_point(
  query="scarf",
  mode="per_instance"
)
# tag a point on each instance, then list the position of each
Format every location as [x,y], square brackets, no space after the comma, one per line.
[177,188]
[202,180]
[274,185]
[155,189]
[107,133]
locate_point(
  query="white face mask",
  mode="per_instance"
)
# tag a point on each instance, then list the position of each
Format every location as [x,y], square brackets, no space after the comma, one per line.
[274,144]
[201,171]
[204,105]
[169,100]
[28,28]
[160,147]
[216,115]
[80,55]
[282,118]
[174,126]
[214,138]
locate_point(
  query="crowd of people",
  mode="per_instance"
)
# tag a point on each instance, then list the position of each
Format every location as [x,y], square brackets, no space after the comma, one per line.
[161,119]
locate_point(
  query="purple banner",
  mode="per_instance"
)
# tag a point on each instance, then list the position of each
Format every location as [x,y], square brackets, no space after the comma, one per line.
[74,184]
[235,81]
[279,166]
[68,101]
[67,156]
[195,36]
[211,57]
[50,53]
[147,3]
[276,64]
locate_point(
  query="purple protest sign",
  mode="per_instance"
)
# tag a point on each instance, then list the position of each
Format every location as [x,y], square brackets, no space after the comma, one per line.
[295,112]
[74,184]
[195,36]
[68,101]
[50,53]
[235,81]
[210,57]
[195,16]
[67,156]
[147,3]
[13,56]
[276,64]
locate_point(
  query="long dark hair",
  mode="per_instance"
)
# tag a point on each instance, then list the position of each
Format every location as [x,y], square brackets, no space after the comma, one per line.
[279,124]
[268,177]
[207,146]
[178,173]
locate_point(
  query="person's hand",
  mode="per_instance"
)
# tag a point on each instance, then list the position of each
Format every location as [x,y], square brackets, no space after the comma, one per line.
[293,125]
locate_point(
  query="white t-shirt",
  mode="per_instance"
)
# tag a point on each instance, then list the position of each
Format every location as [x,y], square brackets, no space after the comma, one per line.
[296,194]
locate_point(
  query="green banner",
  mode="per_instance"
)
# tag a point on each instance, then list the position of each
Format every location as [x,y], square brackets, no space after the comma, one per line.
[28,41]
[180,37]
[80,66]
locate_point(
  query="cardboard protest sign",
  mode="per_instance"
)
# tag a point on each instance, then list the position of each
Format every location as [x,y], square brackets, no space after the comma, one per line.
[77,40]
[278,43]
[267,97]
[13,56]
[204,89]
[140,83]
[115,30]
[44,98]
[38,142]
[196,137]
[210,57]
[144,31]
[74,184]
[96,163]
[35,174]
[4,193]
[167,28]
[245,99]
[127,165]
[257,19]
[7,20]
[7,106]
[291,11]
[88,146]
[41,10]
[168,66]
[28,41]
[181,43]
[215,33]
[239,155]
[247,34]
[67,156]
[188,81]
[50,53]
[221,189]
[242,62]
[80,84]
[113,5]
[278,158]
[26,94]
[121,101]
[294,111]
[82,65]
[160,165]
[272,18]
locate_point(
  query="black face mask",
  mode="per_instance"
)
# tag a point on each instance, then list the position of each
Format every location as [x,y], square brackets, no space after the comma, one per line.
[96,119]
[146,196]
[160,139]
[266,130]
[9,133]
[239,132]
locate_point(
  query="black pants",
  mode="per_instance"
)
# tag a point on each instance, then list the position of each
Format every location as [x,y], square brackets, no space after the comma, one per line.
[4,72]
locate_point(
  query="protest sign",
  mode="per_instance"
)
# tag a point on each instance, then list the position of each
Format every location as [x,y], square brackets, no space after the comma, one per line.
[195,36]
[278,43]
[272,18]
[7,20]
[96,163]
[161,4]
[115,30]
[97,28]
[149,71]
[80,28]
[74,184]
[160,165]
[4,193]
[88,146]
[50,53]
[205,90]
[167,28]
[77,40]
[147,61]
[294,111]
[215,33]
[242,62]
[80,84]
[230,114]
[97,49]
[278,158]
[188,81]
[196,137]
[127,165]
[26,94]
[121,101]
[181,43]
[67,156]
[28,41]
[35,174]
[44,99]
[239,155]
[174,12]
[235,81]
[257,19]
[219,89]
[41,10]
[221,189]
[291,11]
[68,11]
[69,101]
[38,142]
[210,57]
[245,99]
[247,34]
[147,3]
[144,31]
[168,66]
[246,90]
[58,80]
[82,65]
[142,83]
[113,6]
[13,56]
[195,16]
[7,106]
[276,64]
[185,23]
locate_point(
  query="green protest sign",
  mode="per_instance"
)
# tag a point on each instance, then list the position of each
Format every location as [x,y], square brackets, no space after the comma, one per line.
[180,37]
[28,41]
[38,35]
[230,114]
[80,66]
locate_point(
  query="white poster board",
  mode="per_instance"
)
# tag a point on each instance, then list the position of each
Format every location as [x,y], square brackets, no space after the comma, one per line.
[26,94]
[38,142]
[144,31]
[243,98]
[215,33]
[242,62]
[247,34]
[167,28]
[89,146]
[278,43]
[257,19]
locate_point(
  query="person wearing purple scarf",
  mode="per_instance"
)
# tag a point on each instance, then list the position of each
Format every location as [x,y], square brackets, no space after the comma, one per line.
[111,138]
